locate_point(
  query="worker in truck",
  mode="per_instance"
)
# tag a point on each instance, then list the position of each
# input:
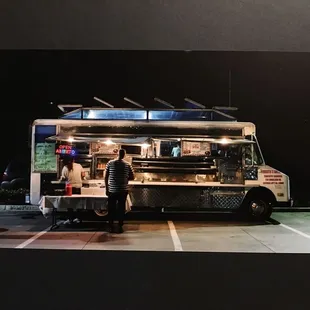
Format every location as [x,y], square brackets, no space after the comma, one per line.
[176,151]
[74,174]
[117,174]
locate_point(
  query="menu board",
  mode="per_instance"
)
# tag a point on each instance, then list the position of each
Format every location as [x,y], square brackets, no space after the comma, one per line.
[102,148]
[195,148]
[45,159]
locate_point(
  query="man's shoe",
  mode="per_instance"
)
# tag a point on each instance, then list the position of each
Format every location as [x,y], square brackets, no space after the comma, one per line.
[68,222]
[120,229]
[77,221]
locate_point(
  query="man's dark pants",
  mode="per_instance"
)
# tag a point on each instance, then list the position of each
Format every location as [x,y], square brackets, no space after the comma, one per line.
[116,207]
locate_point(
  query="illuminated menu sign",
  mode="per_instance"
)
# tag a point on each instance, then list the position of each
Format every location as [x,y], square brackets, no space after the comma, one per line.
[45,158]
[63,149]
[195,148]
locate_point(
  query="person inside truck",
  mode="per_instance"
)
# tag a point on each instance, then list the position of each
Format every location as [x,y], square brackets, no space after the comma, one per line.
[176,151]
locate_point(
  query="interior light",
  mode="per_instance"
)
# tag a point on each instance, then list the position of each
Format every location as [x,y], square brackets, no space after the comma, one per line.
[70,139]
[91,114]
[224,141]
[109,142]
[145,145]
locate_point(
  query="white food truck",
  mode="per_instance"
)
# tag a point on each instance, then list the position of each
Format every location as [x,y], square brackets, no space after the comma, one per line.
[184,159]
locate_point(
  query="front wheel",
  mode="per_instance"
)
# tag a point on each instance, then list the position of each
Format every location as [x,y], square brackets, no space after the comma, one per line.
[258,209]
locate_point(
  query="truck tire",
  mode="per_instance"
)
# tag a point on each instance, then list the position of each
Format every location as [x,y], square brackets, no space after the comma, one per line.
[101,213]
[259,209]
[257,204]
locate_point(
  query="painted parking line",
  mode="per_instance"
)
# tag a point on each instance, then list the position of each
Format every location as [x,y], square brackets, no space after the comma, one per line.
[175,238]
[295,231]
[34,238]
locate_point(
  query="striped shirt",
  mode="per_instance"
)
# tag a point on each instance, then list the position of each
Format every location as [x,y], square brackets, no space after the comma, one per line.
[119,172]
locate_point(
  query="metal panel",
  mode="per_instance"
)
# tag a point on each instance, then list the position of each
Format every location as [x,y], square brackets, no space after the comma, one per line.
[227,201]
[176,197]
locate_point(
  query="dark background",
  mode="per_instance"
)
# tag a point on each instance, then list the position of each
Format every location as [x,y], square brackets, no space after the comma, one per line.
[261,42]
[270,89]
[231,25]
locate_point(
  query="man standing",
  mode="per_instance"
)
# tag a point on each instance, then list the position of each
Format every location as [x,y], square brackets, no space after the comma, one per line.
[117,174]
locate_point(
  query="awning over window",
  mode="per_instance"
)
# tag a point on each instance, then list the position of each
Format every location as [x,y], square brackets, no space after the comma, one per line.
[221,140]
[95,138]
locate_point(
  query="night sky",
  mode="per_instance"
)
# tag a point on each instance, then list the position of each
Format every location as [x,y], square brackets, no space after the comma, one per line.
[270,89]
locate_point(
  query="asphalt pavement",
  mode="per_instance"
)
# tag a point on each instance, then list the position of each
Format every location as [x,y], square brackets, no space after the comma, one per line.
[163,261]
[284,233]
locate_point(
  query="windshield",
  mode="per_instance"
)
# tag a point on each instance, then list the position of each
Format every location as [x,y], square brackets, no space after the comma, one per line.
[252,154]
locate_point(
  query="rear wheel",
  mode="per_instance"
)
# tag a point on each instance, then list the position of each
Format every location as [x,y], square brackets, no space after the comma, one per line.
[101,213]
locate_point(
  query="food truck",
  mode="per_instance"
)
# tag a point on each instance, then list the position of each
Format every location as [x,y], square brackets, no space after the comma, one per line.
[183,159]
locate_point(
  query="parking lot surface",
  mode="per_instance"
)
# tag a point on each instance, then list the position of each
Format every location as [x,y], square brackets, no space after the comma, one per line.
[284,233]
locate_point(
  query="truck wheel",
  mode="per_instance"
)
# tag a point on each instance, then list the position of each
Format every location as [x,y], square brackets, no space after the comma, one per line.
[259,209]
[101,212]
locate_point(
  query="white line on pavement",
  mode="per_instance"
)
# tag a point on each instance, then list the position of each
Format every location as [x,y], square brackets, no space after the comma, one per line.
[35,237]
[175,238]
[295,231]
